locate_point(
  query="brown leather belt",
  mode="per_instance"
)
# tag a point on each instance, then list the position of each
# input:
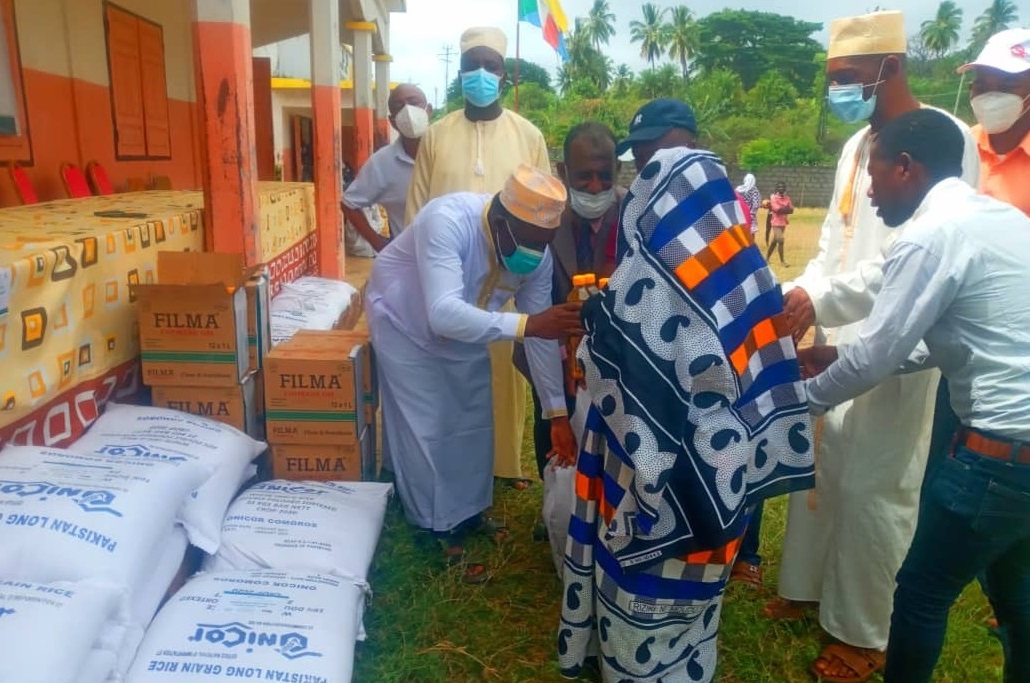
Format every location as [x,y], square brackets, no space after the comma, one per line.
[991,447]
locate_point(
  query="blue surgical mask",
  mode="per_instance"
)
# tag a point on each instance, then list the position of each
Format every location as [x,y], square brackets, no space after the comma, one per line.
[847,102]
[480,87]
[523,260]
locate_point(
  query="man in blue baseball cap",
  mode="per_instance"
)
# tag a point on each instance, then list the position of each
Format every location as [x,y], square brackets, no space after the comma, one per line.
[659,124]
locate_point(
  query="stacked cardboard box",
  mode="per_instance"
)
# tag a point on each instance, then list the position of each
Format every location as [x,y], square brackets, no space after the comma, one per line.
[204,332]
[316,421]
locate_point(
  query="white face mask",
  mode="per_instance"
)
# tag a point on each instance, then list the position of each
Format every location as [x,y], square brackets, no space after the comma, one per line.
[412,122]
[591,206]
[997,112]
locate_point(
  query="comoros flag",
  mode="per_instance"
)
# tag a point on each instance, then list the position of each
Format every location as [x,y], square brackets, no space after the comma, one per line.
[550,17]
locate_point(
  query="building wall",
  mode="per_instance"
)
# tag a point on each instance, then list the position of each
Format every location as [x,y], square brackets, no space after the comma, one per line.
[808,186]
[67,92]
[290,102]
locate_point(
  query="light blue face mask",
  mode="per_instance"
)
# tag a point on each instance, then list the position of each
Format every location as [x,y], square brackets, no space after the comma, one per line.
[523,260]
[848,105]
[480,87]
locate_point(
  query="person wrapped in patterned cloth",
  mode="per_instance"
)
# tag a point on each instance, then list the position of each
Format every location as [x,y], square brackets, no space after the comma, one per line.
[697,413]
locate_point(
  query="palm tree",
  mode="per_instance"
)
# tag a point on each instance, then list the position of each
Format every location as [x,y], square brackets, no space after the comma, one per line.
[940,34]
[684,39]
[651,33]
[599,25]
[999,15]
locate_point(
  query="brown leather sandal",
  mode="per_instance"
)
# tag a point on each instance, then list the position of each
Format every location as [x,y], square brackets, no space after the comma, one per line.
[746,573]
[840,663]
[475,572]
[781,609]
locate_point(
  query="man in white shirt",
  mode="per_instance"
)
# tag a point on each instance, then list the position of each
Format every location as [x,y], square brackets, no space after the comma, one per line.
[957,279]
[845,542]
[434,305]
[386,176]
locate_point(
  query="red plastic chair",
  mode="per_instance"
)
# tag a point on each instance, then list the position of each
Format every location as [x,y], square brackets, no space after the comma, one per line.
[74,182]
[22,184]
[98,179]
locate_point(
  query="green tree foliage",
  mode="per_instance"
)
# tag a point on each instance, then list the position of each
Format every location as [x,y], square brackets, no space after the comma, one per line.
[684,39]
[999,15]
[940,34]
[765,152]
[586,62]
[599,25]
[772,95]
[652,33]
[753,43]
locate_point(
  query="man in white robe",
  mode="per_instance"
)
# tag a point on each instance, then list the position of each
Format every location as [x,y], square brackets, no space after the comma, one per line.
[846,541]
[434,305]
[473,150]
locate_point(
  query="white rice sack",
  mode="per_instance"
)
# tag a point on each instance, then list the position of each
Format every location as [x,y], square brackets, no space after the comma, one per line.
[144,433]
[559,500]
[560,488]
[267,626]
[309,303]
[68,516]
[329,527]
[50,632]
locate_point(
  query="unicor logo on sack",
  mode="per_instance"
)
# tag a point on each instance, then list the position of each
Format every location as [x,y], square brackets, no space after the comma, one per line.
[288,488]
[137,451]
[88,500]
[4,611]
[290,645]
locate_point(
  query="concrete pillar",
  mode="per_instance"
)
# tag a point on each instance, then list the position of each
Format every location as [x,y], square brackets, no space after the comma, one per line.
[364,126]
[222,59]
[325,107]
[382,124]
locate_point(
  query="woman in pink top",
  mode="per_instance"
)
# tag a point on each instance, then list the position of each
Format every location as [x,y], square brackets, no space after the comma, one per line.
[780,208]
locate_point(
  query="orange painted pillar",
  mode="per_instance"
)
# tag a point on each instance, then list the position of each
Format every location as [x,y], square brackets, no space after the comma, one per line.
[225,99]
[382,66]
[364,115]
[325,107]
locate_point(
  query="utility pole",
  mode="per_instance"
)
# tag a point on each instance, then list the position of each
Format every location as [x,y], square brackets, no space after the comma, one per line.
[445,57]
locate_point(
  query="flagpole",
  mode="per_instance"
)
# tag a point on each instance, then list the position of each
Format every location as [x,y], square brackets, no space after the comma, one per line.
[518,46]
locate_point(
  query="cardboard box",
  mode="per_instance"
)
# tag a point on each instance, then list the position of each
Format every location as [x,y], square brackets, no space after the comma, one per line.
[237,406]
[369,377]
[313,389]
[193,323]
[308,462]
[259,321]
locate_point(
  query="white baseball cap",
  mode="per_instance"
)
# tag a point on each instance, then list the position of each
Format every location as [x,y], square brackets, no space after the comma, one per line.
[1007,51]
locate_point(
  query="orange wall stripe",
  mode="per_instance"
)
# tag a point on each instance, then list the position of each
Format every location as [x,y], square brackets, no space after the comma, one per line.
[327,148]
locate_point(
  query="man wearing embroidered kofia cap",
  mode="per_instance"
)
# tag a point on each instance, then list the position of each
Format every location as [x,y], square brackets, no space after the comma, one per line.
[434,303]
[474,150]
[845,543]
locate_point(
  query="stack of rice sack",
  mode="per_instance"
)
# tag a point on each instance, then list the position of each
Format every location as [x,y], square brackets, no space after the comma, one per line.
[92,537]
[313,303]
[283,597]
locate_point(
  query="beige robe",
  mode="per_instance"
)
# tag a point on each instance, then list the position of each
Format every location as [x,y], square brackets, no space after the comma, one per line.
[458,155]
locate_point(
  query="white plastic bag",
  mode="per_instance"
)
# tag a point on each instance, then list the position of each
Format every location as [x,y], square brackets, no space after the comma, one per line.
[559,500]
[50,633]
[273,626]
[309,303]
[68,516]
[137,432]
[329,527]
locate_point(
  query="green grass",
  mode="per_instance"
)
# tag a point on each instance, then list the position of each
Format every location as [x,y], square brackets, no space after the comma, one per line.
[426,626]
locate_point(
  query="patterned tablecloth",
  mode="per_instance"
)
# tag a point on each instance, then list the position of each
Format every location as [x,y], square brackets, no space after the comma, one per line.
[67,325]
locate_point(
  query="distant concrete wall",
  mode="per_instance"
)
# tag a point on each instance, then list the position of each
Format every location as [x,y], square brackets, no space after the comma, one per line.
[808,186]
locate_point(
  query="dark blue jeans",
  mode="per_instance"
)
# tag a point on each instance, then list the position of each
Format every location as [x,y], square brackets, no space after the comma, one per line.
[974,517]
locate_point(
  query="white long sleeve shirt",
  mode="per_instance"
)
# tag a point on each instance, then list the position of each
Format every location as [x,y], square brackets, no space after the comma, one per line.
[959,279]
[845,277]
[440,283]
